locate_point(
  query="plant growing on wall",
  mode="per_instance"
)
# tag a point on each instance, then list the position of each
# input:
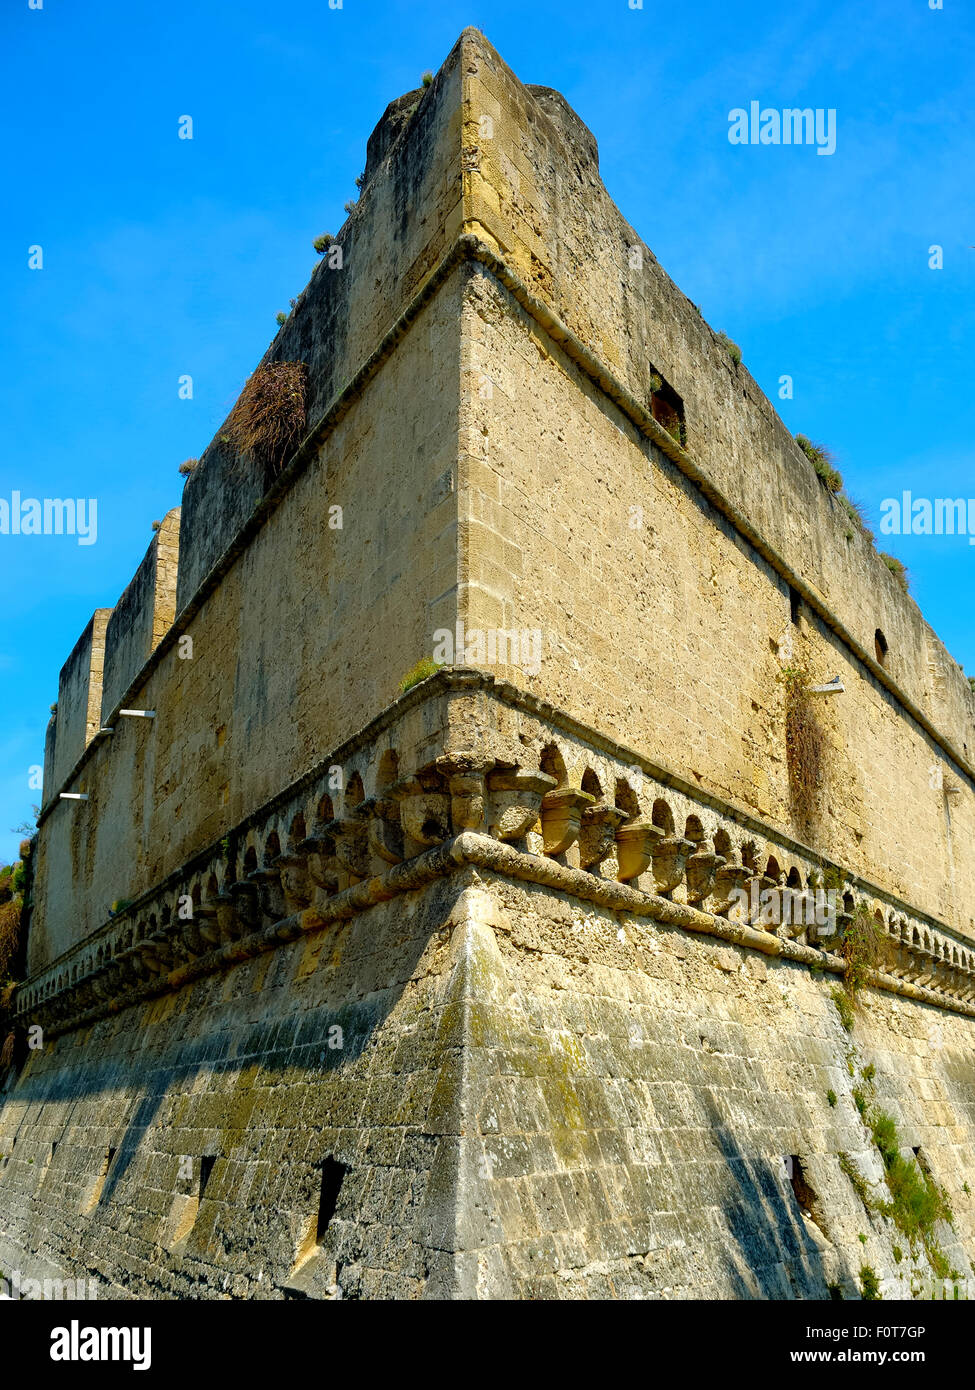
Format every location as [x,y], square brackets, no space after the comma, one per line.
[269,418]
[823,462]
[898,569]
[426,666]
[805,743]
[917,1203]
[730,347]
[856,514]
[863,949]
[14,907]
[869,1284]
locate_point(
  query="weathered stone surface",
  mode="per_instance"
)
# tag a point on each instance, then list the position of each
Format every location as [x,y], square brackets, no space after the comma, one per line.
[448,993]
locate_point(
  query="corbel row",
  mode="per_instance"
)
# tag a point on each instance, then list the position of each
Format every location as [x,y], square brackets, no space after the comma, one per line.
[468,791]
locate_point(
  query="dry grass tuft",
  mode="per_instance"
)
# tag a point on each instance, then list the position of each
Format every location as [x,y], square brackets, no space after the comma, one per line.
[269,418]
[898,569]
[824,463]
[805,743]
[9,934]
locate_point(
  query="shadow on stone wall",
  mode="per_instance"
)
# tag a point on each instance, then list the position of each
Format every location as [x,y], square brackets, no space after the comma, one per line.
[206,1043]
[768,1250]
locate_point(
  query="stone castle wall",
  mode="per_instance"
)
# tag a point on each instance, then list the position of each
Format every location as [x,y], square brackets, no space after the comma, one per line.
[547,1082]
[659,614]
[566,1067]
[507,403]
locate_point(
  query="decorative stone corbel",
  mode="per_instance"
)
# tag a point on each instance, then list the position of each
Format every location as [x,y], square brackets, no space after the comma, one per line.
[296,884]
[384,834]
[636,841]
[85,994]
[154,953]
[424,808]
[246,901]
[597,836]
[701,870]
[208,918]
[729,882]
[134,967]
[132,972]
[351,846]
[767,884]
[102,984]
[926,968]
[465,775]
[516,801]
[322,865]
[562,811]
[670,856]
[270,894]
[193,940]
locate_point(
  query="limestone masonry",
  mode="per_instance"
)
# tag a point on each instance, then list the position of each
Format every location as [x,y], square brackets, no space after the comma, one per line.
[464,992]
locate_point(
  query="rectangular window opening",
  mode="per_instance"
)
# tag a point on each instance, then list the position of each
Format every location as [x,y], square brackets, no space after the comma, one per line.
[333,1175]
[206,1168]
[667,408]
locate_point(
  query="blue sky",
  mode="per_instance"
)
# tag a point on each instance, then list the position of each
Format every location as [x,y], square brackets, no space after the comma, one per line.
[165,256]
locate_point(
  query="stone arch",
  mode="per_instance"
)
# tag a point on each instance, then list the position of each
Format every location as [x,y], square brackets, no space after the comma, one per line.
[250,860]
[553,763]
[354,793]
[590,784]
[325,812]
[663,817]
[723,844]
[272,847]
[694,829]
[626,799]
[388,770]
[297,832]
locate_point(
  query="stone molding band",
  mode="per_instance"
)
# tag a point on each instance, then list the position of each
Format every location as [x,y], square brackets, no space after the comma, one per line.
[479,851]
[303,863]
